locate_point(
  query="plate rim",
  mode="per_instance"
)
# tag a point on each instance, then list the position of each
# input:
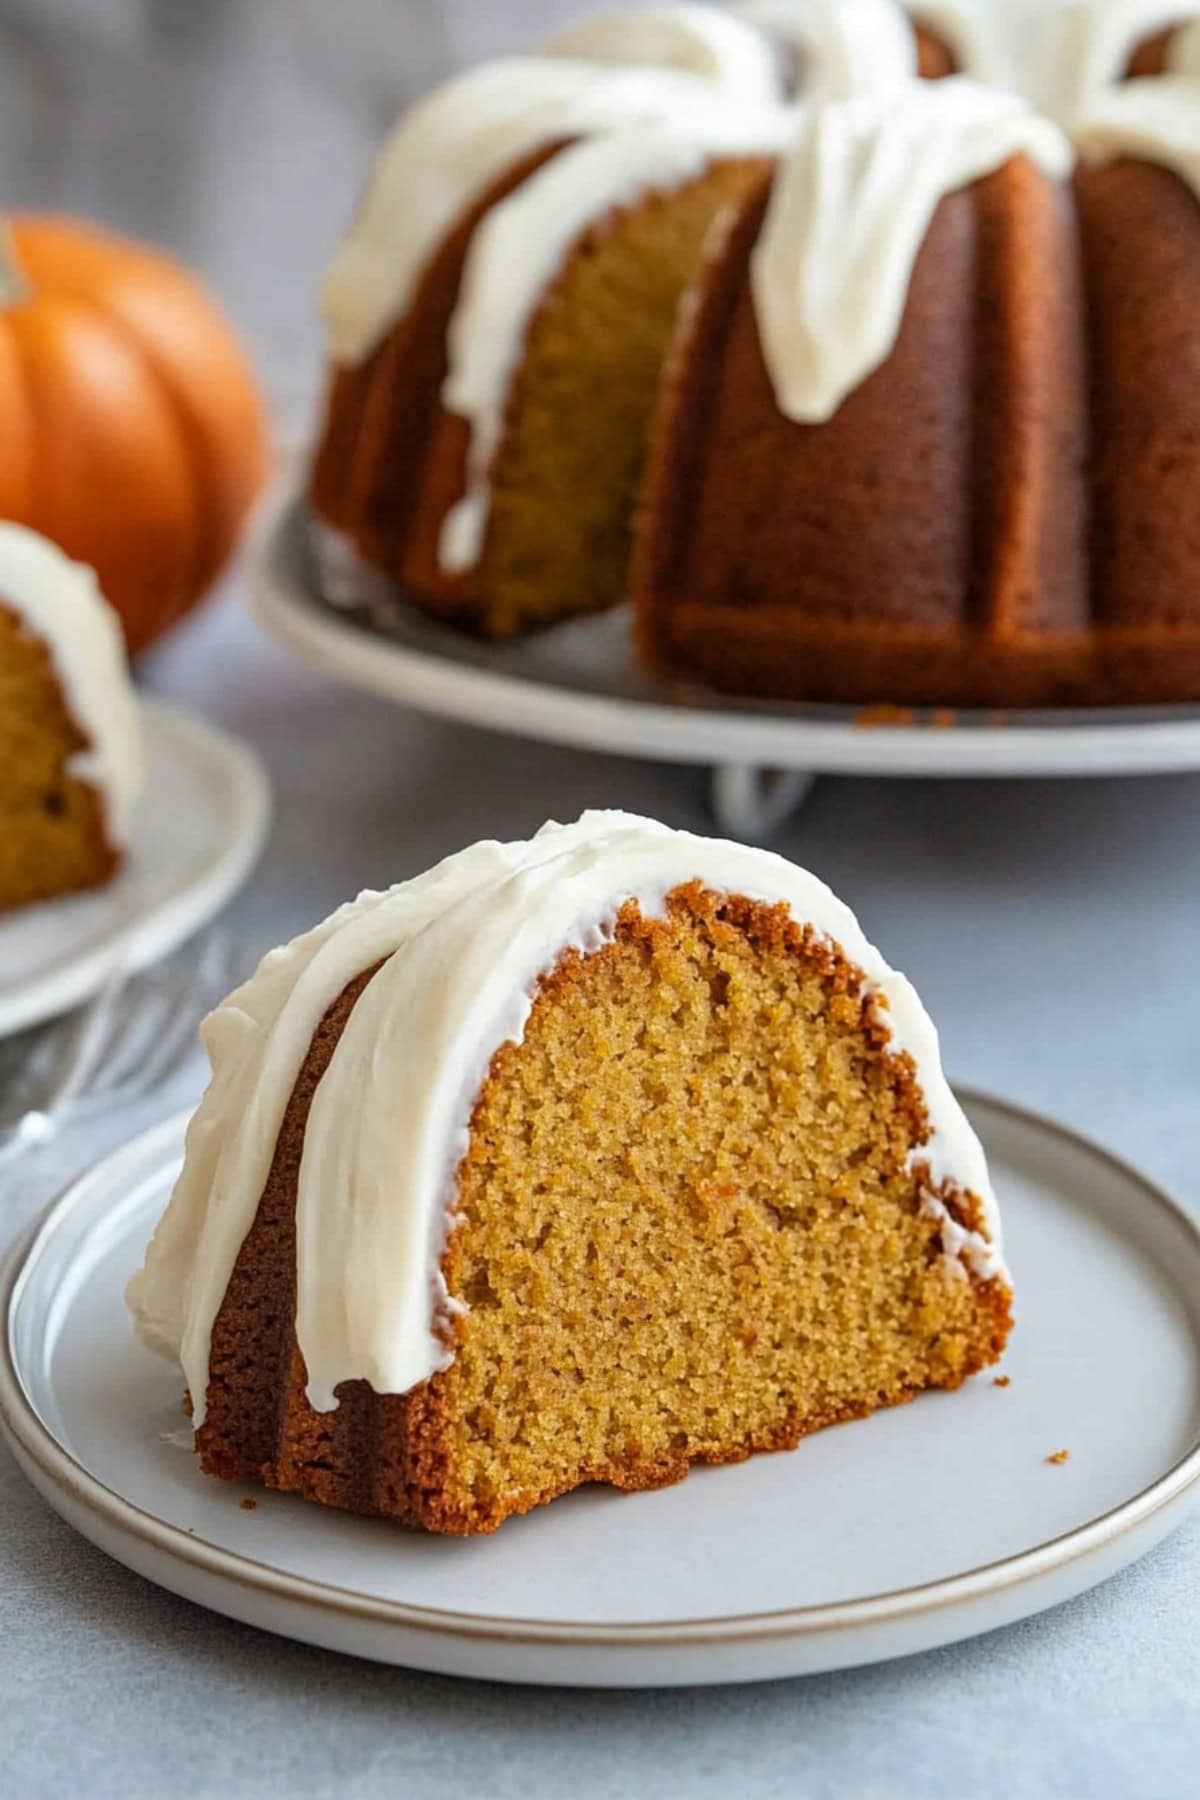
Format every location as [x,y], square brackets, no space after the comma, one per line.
[30,1437]
[1074,743]
[159,927]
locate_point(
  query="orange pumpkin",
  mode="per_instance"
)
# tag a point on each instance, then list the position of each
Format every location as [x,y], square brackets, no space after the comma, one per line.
[131,428]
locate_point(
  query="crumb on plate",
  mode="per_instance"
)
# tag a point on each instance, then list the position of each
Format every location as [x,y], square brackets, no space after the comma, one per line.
[871,717]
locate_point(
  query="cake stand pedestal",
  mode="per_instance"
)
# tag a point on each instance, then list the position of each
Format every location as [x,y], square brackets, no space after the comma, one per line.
[752,804]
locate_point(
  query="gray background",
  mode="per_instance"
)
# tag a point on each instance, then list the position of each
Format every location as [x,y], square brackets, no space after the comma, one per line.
[1051,927]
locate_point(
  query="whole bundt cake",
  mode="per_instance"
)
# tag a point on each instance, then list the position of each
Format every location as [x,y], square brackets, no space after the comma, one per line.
[991,506]
[70,739]
[578,1160]
[499,316]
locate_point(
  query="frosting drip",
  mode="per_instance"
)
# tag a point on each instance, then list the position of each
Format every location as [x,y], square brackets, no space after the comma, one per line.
[848,215]
[1156,121]
[60,603]
[696,39]
[454,145]
[1056,53]
[463,948]
[830,49]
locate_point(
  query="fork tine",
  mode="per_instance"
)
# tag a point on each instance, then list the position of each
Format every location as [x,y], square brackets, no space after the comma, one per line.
[154,999]
[168,1053]
[30,1060]
[163,1036]
[148,1014]
[133,1036]
[169,1048]
[92,1032]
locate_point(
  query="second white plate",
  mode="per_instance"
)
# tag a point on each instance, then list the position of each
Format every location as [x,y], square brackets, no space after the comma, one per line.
[917,1527]
[197,834]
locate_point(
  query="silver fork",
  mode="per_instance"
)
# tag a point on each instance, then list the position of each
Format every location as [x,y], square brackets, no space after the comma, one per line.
[131,1039]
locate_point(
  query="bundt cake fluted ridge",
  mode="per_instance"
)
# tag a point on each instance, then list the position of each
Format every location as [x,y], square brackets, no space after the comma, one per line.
[994,513]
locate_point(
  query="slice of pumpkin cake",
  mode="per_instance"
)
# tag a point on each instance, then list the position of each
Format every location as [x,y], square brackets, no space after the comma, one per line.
[71,759]
[576,1160]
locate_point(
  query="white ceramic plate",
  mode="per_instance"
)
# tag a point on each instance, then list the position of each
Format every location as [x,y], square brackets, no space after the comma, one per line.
[197,834]
[917,1527]
[577,684]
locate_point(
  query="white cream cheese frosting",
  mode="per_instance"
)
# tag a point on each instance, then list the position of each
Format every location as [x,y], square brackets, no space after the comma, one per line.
[699,40]
[519,249]
[59,602]
[451,147]
[830,49]
[829,294]
[1155,121]
[850,208]
[462,948]
[1056,53]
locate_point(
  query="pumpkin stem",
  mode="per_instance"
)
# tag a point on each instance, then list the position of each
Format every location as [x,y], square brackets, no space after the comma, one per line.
[13,286]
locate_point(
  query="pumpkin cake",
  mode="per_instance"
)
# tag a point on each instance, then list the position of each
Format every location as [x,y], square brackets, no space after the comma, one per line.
[578,1160]
[582,284]
[70,743]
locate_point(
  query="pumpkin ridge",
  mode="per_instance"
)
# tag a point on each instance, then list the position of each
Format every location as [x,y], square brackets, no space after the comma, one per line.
[203,512]
[13,504]
[65,521]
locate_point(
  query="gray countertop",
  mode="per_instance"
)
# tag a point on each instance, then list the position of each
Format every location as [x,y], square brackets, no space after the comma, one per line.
[1052,928]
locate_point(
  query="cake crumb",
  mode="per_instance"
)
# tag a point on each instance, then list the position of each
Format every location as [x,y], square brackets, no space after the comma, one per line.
[249,1505]
[1059,1457]
[1001,1380]
[871,718]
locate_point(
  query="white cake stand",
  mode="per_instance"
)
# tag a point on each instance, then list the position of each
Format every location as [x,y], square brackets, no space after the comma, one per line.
[578,684]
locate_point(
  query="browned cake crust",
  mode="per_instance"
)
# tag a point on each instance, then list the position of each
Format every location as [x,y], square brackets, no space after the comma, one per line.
[52,832]
[628,1320]
[380,415]
[995,517]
